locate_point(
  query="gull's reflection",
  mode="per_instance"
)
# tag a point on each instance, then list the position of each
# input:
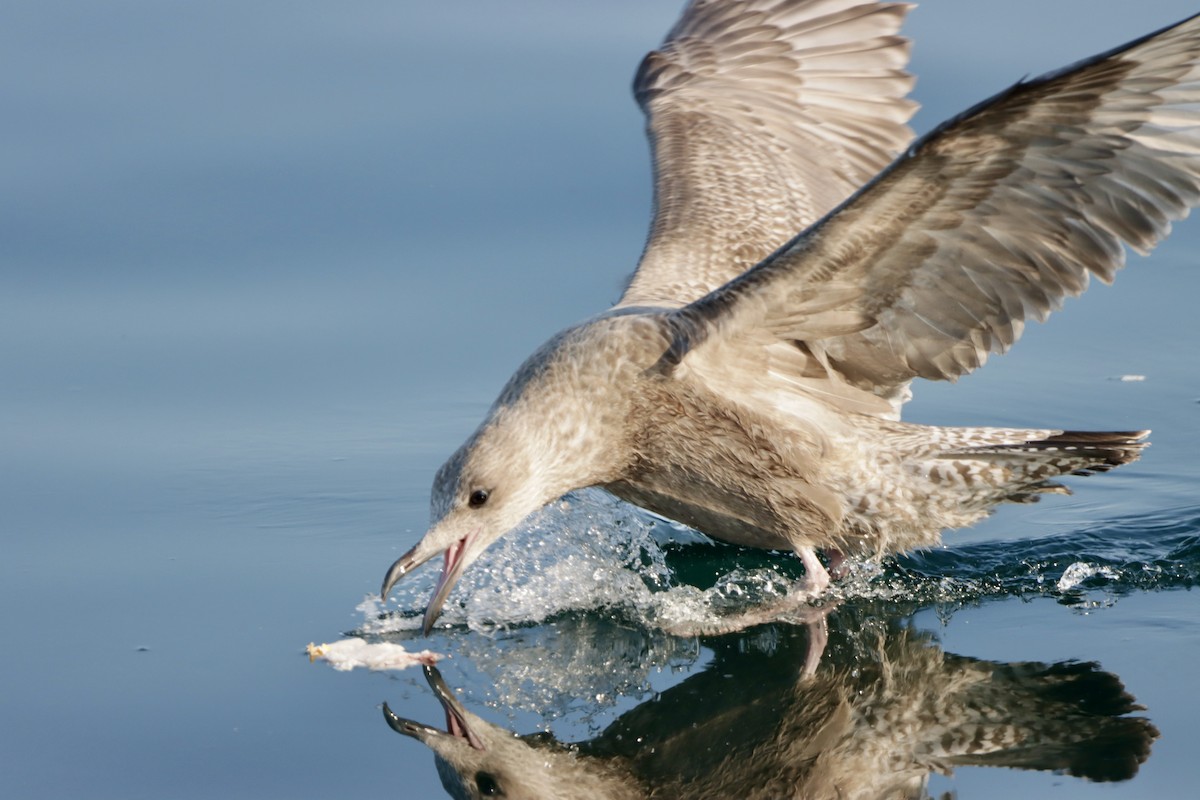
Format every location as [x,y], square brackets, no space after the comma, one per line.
[884,710]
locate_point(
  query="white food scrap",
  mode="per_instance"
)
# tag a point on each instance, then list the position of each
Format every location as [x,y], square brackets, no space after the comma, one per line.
[347,654]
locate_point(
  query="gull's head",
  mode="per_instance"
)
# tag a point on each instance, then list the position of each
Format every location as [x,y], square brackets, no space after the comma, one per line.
[482,492]
[550,432]
[474,756]
[477,759]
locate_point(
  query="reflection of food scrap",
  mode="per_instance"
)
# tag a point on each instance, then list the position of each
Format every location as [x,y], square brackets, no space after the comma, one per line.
[350,653]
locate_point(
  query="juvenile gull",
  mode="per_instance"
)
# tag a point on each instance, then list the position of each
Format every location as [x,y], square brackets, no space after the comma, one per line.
[888,708]
[749,381]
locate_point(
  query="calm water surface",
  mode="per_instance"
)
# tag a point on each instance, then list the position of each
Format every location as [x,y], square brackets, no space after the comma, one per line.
[262,267]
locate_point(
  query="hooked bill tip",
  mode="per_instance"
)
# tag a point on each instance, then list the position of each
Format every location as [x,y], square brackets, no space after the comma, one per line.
[399,568]
[389,580]
[455,561]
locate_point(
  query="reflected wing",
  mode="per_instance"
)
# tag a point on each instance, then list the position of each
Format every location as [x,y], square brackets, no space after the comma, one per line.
[991,219]
[762,116]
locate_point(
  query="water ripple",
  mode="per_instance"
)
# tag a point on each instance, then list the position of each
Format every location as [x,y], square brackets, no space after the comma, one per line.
[593,554]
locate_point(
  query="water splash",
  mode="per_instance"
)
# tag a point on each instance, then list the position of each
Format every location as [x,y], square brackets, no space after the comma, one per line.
[1079,572]
[588,553]
[592,554]
[1083,569]
[570,613]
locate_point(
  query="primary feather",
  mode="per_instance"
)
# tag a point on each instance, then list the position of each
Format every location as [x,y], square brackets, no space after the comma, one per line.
[749,382]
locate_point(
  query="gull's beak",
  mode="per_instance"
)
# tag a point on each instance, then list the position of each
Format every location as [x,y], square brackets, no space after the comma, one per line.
[452,567]
[408,727]
[403,565]
[456,722]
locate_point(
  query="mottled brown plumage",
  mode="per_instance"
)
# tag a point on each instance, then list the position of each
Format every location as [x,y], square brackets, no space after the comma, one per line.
[750,380]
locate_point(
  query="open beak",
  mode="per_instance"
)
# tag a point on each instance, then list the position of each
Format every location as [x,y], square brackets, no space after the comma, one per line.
[408,727]
[402,566]
[452,567]
[456,722]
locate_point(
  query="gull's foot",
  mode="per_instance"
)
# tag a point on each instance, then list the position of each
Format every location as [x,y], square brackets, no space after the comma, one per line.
[794,608]
[816,579]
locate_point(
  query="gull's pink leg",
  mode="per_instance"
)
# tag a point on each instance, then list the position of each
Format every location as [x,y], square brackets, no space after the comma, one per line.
[794,609]
[818,638]
[816,579]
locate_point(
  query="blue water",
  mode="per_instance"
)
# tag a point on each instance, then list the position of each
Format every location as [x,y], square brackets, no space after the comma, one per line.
[262,267]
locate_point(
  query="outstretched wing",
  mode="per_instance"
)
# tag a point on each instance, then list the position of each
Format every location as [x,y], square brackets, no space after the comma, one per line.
[991,219]
[762,116]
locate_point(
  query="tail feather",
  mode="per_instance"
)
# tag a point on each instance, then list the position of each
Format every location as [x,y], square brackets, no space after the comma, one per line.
[1093,451]
[1106,750]
[1064,717]
[1031,465]
[1100,451]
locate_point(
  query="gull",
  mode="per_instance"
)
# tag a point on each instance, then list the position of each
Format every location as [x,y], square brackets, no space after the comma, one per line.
[799,274]
[874,722]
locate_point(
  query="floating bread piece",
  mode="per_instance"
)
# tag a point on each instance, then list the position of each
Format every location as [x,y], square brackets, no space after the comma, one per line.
[350,653]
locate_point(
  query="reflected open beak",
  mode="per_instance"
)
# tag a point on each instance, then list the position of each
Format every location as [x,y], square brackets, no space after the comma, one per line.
[452,567]
[456,723]
[408,727]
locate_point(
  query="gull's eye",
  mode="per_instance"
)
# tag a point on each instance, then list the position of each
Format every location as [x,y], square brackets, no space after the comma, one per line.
[477,498]
[488,786]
